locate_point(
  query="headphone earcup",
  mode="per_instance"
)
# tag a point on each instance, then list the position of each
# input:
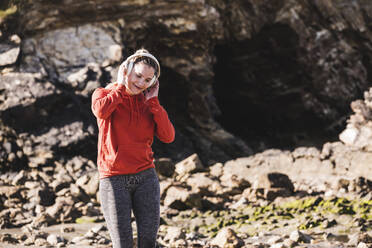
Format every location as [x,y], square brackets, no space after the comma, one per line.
[152,81]
[130,67]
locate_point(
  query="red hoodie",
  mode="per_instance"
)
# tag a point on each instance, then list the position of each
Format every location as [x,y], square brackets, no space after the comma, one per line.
[127,125]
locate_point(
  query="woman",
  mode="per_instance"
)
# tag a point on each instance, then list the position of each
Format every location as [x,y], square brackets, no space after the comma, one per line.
[129,115]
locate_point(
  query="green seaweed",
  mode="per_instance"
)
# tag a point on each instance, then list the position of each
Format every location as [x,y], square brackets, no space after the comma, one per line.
[7,12]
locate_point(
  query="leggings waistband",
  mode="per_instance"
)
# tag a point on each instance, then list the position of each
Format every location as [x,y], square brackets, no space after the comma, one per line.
[131,179]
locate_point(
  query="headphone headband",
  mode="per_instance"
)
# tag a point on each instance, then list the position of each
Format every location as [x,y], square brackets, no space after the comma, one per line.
[143,55]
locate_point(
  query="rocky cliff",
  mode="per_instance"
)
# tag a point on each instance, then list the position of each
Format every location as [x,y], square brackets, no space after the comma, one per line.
[238,76]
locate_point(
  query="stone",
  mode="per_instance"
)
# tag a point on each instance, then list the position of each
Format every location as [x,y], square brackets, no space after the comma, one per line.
[216,170]
[360,161]
[164,185]
[189,165]
[274,240]
[31,184]
[88,43]
[362,245]
[29,241]
[80,78]
[90,234]
[115,53]
[227,237]
[42,220]
[98,228]
[79,193]
[23,89]
[174,233]
[234,183]
[82,180]
[181,198]
[8,238]
[89,88]
[62,180]
[9,191]
[306,152]
[273,180]
[213,202]
[299,237]
[327,223]
[365,237]
[201,183]
[340,238]
[54,239]
[8,54]
[91,186]
[240,203]
[62,208]
[15,39]
[40,242]
[66,229]
[274,159]
[279,245]
[239,167]
[290,243]
[180,243]
[353,239]
[103,241]
[164,166]
[77,240]
[349,136]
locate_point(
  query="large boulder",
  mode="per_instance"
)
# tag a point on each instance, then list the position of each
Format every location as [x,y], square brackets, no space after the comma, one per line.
[181,198]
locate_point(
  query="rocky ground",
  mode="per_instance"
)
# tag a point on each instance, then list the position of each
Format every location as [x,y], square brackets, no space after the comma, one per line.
[302,198]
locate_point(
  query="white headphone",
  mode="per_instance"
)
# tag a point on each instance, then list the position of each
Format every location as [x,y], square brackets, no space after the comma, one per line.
[129,63]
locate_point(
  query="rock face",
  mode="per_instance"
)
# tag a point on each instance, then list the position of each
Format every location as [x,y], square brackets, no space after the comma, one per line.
[358,131]
[238,77]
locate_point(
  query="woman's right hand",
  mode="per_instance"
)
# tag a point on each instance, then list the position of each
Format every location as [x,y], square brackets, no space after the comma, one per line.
[151,92]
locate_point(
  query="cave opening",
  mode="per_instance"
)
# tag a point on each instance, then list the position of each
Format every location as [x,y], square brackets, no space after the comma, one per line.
[173,95]
[259,88]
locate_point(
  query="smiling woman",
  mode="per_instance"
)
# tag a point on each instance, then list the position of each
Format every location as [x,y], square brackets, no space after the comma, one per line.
[129,115]
[141,71]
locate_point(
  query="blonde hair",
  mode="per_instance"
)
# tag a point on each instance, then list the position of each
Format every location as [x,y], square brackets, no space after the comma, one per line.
[141,50]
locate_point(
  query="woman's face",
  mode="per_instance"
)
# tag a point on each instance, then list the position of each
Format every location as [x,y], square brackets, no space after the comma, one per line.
[140,78]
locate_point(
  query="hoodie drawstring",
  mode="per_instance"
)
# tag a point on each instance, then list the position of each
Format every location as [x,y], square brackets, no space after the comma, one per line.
[130,109]
[137,111]
[134,109]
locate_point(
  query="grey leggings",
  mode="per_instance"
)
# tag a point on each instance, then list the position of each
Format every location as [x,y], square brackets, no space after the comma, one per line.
[138,192]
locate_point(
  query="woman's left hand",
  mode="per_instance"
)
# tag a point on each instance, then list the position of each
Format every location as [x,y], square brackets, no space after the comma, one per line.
[152,91]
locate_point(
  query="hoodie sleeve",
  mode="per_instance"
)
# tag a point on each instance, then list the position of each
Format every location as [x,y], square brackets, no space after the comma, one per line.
[164,128]
[104,101]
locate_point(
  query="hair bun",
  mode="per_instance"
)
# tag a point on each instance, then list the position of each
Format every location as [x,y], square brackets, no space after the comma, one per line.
[142,50]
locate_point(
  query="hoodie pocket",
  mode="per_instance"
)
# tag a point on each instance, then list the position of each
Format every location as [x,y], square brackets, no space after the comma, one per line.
[133,155]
